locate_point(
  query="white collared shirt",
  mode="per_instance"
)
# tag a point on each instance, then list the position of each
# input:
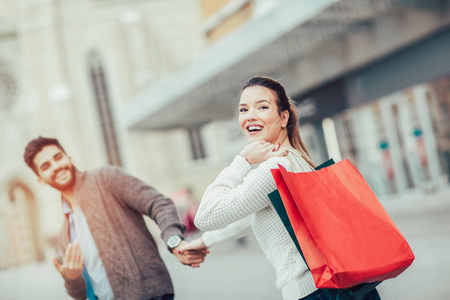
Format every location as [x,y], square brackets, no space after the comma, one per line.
[79,230]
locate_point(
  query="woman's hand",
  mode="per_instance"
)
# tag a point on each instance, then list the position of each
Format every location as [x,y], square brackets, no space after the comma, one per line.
[260,151]
[193,249]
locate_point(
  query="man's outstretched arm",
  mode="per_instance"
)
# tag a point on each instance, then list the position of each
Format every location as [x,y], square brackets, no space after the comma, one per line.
[147,200]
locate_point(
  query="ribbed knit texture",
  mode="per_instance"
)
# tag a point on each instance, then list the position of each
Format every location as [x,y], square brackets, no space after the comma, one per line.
[114,203]
[237,200]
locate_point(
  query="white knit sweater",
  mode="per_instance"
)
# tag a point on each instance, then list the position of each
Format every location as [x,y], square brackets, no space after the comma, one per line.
[237,201]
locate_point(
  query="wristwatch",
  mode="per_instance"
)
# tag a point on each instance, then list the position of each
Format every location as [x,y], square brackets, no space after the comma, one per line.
[173,242]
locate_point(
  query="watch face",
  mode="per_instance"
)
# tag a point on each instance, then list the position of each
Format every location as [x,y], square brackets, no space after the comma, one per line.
[174,241]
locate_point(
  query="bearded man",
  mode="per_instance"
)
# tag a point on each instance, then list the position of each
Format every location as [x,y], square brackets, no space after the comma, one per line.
[108,251]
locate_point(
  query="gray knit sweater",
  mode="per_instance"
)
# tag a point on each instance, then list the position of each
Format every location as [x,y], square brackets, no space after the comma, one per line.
[114,203]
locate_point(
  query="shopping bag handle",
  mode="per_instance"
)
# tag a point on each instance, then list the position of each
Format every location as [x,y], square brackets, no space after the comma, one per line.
[300,161]
[326,164]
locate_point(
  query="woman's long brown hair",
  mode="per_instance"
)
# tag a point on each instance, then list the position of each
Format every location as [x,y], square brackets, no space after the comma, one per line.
[284,102]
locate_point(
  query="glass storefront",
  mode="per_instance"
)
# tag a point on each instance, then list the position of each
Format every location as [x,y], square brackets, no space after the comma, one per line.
[401,142]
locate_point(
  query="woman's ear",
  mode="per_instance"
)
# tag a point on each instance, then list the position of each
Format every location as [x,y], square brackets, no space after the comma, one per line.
[284,118]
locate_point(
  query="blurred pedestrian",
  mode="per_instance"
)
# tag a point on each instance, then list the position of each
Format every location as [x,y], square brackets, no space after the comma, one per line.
[108,251]
[238,200]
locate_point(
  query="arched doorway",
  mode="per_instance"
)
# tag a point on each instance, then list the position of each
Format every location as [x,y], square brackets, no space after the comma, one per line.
[22,221]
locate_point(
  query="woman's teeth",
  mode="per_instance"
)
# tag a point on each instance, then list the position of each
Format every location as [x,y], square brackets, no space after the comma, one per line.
[255,128]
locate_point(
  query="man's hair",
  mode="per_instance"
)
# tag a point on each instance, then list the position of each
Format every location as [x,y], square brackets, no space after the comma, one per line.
[35,146]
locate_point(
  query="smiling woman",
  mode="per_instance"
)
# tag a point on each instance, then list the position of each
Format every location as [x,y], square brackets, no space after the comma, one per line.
[237,201]
[259,117]
[266,112]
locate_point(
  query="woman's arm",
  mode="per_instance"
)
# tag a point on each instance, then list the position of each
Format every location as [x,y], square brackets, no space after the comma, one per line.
[237,192]
[233,231]
[236,230]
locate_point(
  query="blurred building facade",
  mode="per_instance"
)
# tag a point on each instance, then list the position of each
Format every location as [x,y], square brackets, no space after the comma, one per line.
[65,68]
[153,86]
[371,81]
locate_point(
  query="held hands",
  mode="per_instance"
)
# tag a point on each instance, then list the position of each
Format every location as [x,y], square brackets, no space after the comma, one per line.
[191,253]
[259,151]
[72,266]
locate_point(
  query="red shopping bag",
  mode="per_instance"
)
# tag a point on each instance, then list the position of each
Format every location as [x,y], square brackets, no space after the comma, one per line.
[345,234]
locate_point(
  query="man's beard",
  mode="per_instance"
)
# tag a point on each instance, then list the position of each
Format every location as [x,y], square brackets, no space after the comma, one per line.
[66,186]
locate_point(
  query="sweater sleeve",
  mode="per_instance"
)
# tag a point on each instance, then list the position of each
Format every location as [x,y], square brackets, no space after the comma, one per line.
[233,231]
[76,288]
[146,200]
[237,192]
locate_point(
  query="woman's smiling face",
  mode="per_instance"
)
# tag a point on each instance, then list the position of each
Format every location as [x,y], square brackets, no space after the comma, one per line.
[258,115]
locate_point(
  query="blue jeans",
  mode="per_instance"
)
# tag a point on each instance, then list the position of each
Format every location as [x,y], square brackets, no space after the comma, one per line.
[373,295]
[319,295]
[164,297]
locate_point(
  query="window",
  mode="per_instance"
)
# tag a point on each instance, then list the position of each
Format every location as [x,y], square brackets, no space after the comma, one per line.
[8,87]
[196,143]
[103,102]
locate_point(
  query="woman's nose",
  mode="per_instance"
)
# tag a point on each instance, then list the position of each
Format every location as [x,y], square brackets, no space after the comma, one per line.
[251,115]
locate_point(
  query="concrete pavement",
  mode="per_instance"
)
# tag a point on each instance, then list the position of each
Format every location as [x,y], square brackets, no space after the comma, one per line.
[34,281]
[235,271]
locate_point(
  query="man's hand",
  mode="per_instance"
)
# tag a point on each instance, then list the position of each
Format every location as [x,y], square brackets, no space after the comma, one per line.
[191,253]
[72,267]
[259,151]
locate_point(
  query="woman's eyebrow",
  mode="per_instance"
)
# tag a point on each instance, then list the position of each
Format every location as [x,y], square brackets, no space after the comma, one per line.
[258,101]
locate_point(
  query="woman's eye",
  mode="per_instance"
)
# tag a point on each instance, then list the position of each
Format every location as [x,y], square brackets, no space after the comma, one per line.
[263,107]
[242,110]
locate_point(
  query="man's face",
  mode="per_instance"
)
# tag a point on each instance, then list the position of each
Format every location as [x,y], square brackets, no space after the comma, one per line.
[55,168]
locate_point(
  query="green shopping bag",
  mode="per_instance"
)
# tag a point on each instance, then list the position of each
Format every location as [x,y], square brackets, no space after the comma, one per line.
[358,292]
